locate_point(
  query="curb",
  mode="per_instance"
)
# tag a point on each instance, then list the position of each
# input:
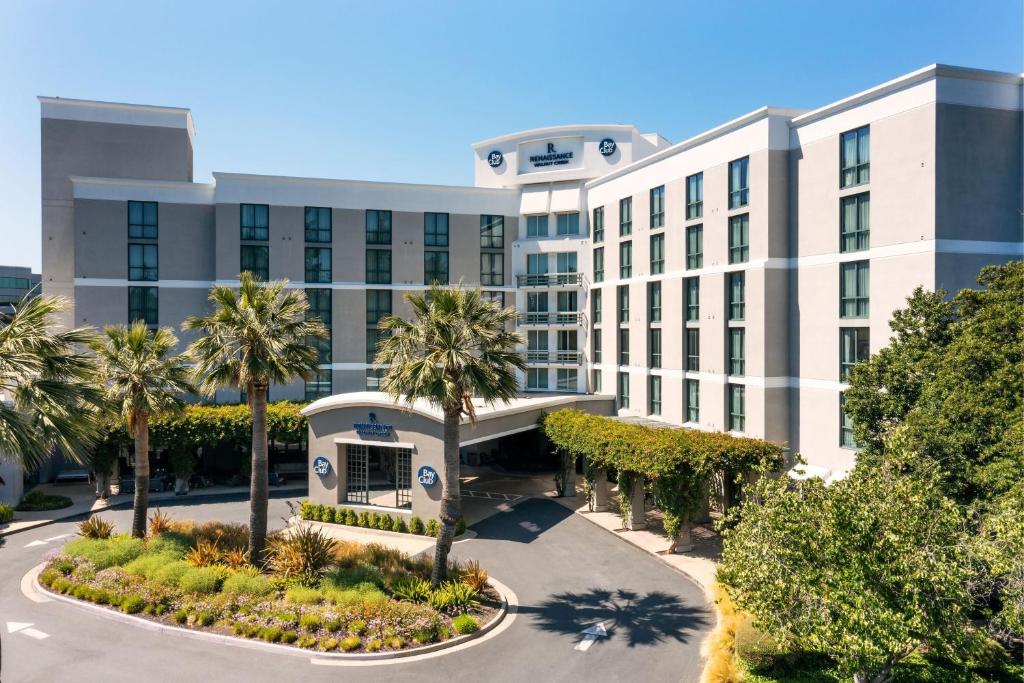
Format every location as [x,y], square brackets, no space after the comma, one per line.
[509,601]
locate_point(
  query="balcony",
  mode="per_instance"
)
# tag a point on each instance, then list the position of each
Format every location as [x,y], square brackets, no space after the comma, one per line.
[550,280]
[559,318]
[554,357]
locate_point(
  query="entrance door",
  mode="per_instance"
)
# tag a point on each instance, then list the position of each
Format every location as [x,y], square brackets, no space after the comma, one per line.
[357,471]
[379,475]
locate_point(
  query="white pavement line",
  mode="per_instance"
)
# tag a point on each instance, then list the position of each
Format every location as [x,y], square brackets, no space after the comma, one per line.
[25,629]
[505,507]
[530,526]
[15,626]
[28,583]
[590,636]
[33,633]
[56,538]
[34,544]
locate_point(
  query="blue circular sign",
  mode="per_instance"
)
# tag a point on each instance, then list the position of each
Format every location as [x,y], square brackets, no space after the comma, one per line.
[427,476]
[495,159]
[607,147]
[322,466]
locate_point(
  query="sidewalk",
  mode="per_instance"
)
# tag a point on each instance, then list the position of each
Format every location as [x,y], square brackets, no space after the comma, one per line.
[83,501]
[411,544]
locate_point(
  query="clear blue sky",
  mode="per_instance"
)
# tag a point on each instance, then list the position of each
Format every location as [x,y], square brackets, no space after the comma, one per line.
[399,91]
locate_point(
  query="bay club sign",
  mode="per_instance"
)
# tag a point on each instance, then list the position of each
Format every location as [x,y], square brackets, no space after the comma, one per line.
[372,428]
[550,155]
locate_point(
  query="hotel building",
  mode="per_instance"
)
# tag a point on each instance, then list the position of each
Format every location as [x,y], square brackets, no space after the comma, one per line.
[726,282]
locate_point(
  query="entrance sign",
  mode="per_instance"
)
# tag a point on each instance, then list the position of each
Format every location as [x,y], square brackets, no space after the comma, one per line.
[427,476]
[495,158]
[321,466]
[552,154]
[372,428]
[607,147]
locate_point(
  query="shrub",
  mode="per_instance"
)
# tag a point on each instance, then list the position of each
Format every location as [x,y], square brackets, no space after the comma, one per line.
[247,581]
[363,519]
[464,623]
[289,637]
[200,580]
[357,627]
[170,574]
[36,500]
[348,553]
[169,542]
[180,616]
[374,645]
[454,598]
[332,624]
[411,588]
[327,514]
[95,527]
[6,513]
[132,604]
[385,558]
[306,641]
[204,554]
[352,577]
[351,518]
[474,576]
[373,521]
[432,528]
[304,553]
[398,525]
[301,595]
[311,622]
[329,644]
[226,536]
[159,523]
[116,550]
[148,565]
[416,525]
[305,509]
[272,634]
[460,526]
[203,618]
[384,522]
[350,643]
[236,558]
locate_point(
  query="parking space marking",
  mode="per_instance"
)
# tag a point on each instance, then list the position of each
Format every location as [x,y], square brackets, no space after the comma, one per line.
[491,495]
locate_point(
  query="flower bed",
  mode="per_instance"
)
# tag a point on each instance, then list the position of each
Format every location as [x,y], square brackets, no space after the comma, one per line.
[382,521]
[315,593]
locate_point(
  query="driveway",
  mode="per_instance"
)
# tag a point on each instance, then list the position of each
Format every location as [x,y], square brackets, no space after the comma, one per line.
[567,573]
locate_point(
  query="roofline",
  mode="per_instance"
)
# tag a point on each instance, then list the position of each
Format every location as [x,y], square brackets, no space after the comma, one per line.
[553,129]
[299,180]
[700,139]
[339,401]
[138,182]
[913,78]
[124,106]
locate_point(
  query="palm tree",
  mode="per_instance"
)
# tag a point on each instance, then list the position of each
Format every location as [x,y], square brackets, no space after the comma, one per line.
[455,347]
[254,337]
[142,379]
[48,398]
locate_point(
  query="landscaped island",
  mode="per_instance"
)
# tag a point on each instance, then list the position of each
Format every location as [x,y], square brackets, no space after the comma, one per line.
[314,592]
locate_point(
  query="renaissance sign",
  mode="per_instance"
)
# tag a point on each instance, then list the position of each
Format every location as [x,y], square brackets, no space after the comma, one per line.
[552,154]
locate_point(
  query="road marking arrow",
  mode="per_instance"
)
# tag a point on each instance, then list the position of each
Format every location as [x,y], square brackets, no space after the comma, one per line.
[56,538]
[25,629]
[590,636]
[35,543]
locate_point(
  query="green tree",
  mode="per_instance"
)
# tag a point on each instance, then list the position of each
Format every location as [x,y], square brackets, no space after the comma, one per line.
[255,336]
[455,348]
[142,378]
[866,570]
[48,396]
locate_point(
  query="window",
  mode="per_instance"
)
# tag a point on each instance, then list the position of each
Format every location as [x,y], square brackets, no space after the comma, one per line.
[737,407]
[492,269]
[624,346]
[739,183]
[435,267]
[737,294]
[657,254]
[737,351]
[695,247]
[623,295]
[318,224]
[626,216]
[599,224]
[853,289]
[320,307]
[256,260]
[692,401]
[567,302]
[374,377]
[595,381]
[143,304]
[142,262]
[142,220]
[492,232]
[693,350]
[655,348]
[537,379]
[654,395]
[846,439]
[854,157]
[378,227]
[739,238]
[494,298]
[255,222]
[595,346]
[568,224]
[435,229]
[625,259]
[654,301]
[537,226]
[537,340]
[319,385]
[595,306]
[378,266]
[623,390]
[658,207]
[854,346]
[854,222]
[566,379]
[378,305]
[373,337]
[599,264]
[692,299]
[536,264]
[694,196]
[537,302]
[566,261]
[318,264]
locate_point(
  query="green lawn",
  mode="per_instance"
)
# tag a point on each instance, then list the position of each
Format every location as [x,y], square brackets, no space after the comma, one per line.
[915,669]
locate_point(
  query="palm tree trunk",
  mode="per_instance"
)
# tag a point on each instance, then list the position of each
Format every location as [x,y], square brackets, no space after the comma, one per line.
[451,502]
[141,476]
[258,491]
